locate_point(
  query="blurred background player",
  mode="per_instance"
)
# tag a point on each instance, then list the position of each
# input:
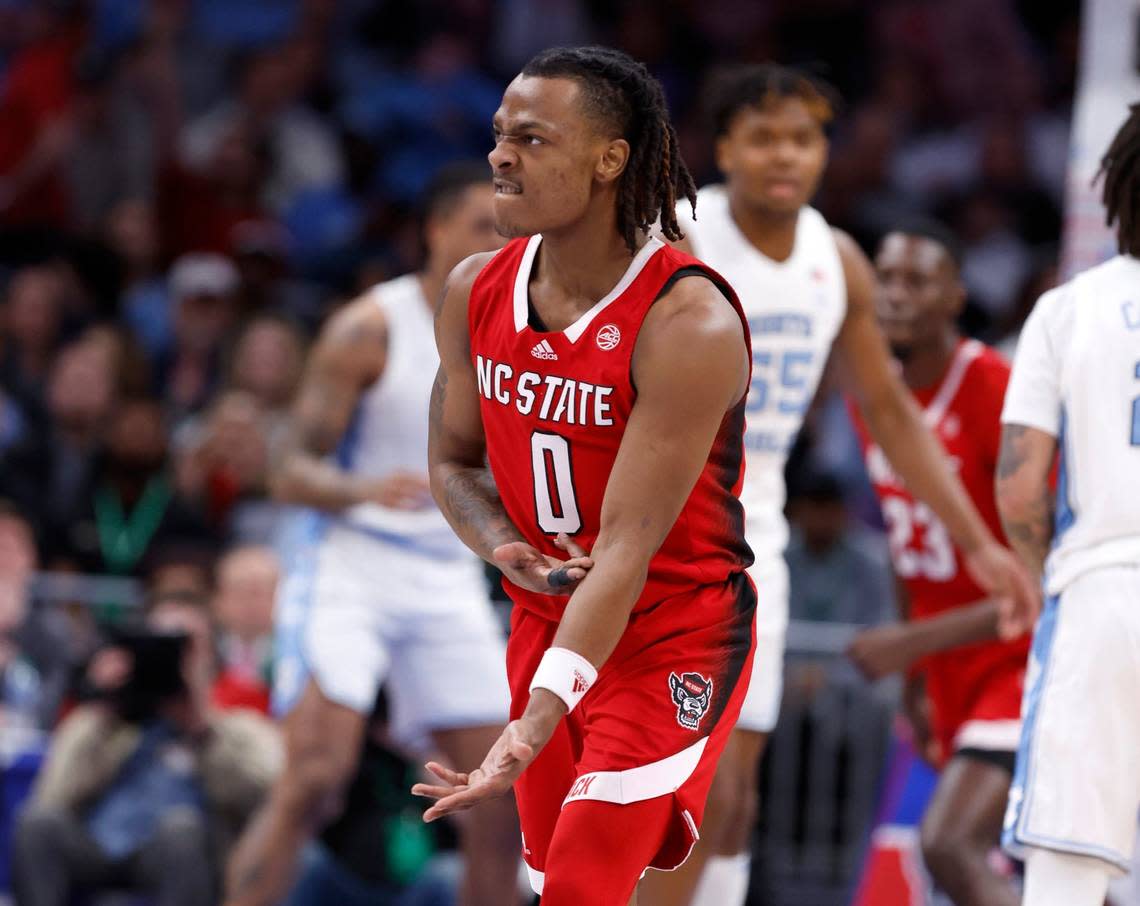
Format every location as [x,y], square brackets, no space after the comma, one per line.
[1075,393]
[949,646]
[379,589]
[804,286]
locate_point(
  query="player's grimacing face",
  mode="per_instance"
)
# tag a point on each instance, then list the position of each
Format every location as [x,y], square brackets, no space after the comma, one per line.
[919,293]
[544,157]
[773,156]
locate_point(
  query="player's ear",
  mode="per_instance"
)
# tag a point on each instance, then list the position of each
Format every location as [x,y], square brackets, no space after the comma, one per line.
[613,160]
[722,154]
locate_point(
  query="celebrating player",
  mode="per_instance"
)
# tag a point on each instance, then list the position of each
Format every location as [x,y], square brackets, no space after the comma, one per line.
[602,375]
[1075,389]
[380,590]
[803,286]
[973,682]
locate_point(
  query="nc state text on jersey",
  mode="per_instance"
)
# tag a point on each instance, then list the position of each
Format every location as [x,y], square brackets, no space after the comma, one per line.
[550,397]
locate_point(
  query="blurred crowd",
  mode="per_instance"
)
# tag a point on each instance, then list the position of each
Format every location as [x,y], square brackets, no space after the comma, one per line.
[189,187]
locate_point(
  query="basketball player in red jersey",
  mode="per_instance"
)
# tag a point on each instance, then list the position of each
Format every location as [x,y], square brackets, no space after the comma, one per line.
[603,378]
[973,681]
[602,375]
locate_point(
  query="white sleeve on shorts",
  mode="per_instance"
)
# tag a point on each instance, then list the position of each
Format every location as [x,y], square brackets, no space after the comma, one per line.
[1033,397]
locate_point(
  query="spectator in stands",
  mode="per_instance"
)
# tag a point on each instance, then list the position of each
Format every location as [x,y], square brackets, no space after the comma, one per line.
[838,571]
[55,462]
[200,206]
[31,323]
[130,507]
[304,152]
[267,362]
[202,288]
[243,611]
[132,232]
[145,789]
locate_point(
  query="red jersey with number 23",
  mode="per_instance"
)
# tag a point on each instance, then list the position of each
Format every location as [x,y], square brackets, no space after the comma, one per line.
[975,690]
[555,405]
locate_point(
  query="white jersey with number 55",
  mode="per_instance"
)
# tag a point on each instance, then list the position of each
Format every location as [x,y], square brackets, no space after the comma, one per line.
[795,308]
[1076,376]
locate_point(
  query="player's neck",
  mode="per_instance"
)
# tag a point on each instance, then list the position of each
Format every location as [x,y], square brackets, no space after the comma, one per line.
[773,234]
[926,365]
[582,263]
[431,280]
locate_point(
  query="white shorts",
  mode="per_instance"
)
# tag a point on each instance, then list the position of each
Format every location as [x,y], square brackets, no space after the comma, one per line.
[355,612]
[1076,788]
[761,706]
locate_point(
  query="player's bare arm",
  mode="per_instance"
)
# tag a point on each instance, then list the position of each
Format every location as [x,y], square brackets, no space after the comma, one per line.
[895,422]
[1024,498]
[894,647]
[348,356]
[461,480]
[690,367]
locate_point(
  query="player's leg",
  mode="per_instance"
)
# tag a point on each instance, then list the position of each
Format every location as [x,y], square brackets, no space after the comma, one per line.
[449,678]
[330,659]
[961,827]
[305,796]
[718,870]
[1076,790]
[1063,879]
[715,872]
[489,834]
[600,849]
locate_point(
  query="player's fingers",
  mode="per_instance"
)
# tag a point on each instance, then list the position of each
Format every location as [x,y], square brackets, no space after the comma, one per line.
[458,802]
[428,791]
[446,774]
[568,544]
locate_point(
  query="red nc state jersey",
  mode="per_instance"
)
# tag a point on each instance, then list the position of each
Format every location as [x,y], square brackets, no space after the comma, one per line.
[963,410]
[979,682]
[555,405]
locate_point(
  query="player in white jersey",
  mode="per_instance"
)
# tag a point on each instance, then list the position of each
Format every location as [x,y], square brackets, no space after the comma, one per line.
[804,286]
[1075,391]
[378,588]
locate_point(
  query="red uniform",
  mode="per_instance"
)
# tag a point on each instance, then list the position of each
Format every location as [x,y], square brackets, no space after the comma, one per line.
[975,690]
[554,409]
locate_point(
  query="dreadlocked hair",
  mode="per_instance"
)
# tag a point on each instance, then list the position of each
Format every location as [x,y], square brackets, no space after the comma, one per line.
[1120,168]
[622,94]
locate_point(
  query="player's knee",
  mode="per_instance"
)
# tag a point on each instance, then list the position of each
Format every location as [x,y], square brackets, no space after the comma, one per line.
[313,784]
[945,850]
[731,808]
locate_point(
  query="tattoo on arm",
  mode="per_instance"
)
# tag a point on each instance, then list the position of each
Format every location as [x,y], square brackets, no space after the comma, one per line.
[470,500]
[1031,531]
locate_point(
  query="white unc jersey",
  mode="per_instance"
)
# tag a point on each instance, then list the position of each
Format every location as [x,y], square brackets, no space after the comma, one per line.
[795,308]
[1076,376]
[389,429]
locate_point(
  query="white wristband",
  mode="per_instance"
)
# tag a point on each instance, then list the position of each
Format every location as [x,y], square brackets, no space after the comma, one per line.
[565,673]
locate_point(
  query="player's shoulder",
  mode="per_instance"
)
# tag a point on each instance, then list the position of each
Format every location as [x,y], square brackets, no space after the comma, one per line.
[693,310]
[358,323]
[987,373]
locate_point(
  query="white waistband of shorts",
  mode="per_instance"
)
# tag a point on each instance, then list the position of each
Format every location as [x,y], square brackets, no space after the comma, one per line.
[647,781]
[537,878]
[989,735]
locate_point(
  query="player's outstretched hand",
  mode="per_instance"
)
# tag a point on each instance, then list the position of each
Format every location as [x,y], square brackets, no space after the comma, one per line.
[507,759]
[531,569]
[1000,572]
[881,650]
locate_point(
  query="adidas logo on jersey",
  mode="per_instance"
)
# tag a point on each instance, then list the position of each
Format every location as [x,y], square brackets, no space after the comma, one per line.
[545,351]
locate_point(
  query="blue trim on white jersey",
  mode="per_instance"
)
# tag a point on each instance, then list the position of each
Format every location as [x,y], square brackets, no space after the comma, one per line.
[301,552]
[347,448]
[447,549]
[1065,515]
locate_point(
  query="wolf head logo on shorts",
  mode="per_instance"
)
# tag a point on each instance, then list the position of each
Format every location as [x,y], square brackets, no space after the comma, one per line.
[691,694]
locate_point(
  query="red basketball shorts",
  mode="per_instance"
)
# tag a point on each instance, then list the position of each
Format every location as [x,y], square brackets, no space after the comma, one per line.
[654,724]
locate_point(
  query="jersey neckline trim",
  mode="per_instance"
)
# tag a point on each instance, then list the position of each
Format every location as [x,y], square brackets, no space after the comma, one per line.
[967,351]
[574,332]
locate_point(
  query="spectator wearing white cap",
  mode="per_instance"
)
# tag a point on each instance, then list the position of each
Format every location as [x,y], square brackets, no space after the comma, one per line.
[202,292]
